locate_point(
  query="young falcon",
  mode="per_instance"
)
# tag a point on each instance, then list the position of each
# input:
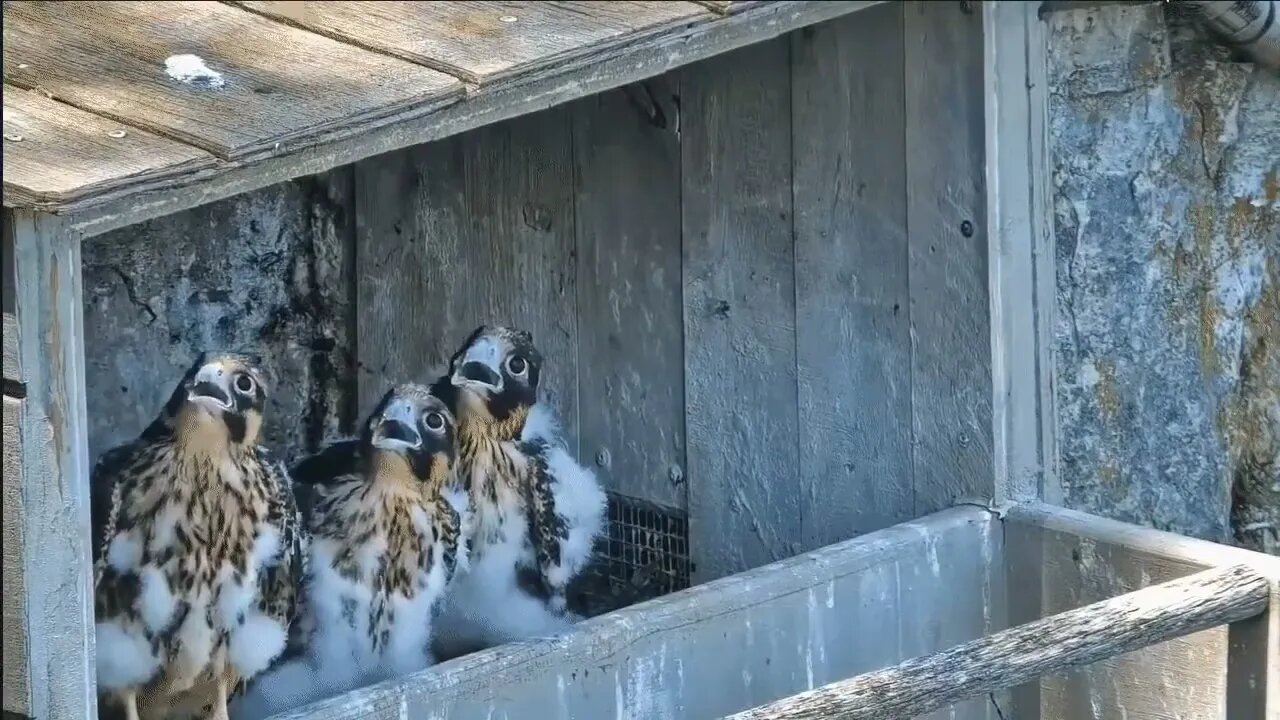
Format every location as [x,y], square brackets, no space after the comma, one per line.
[386,537]
[536,511]
[198,549]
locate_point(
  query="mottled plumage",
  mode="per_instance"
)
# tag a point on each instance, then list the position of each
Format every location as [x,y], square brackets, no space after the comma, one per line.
[386,540]
[536,511]
[198,549]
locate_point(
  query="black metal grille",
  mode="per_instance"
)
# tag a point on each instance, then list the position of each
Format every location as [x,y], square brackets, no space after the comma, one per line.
[643,554]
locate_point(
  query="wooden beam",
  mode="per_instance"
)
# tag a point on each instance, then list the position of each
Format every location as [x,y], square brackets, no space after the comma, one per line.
[1011,657]
[54,455]
[1102,555]
[1020,253]
[652,57]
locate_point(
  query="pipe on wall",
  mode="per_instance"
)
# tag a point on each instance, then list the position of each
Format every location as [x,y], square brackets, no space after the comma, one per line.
[1251,25]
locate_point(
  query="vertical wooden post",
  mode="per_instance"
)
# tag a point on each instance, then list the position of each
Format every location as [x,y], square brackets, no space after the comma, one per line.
[1020,253]
[53,442]
[1253,663]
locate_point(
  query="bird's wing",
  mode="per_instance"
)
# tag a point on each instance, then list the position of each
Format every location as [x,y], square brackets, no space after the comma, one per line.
[106,486]
[312,473]
[280,584]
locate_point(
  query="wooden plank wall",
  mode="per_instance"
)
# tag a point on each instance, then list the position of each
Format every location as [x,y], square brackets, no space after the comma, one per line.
[759,281]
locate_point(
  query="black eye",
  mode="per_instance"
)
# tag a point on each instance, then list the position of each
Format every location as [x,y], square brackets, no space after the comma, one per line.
[516,365]
[244,384]
[433,421]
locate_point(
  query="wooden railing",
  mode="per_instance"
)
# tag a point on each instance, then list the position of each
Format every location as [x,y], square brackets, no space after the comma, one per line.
[1005,659]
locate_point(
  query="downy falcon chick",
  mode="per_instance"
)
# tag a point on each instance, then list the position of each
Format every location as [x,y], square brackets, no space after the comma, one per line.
[536,511]
[386,535]
[198,549]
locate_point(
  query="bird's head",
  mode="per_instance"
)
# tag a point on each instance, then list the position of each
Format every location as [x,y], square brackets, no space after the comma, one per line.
[411,428]
[496,374]
[221,397]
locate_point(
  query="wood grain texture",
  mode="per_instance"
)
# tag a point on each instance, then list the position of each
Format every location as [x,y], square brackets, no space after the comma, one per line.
[484,42]
[1066,559]
[281,86]
[1078,637]
[853,344]
[55,460]
[474,230]
[17,678]
[12,358]
[713,649]
[739,311]
[1020,243]
[656,55]
[629,314]
[946,239]
[728,7]
[55,153]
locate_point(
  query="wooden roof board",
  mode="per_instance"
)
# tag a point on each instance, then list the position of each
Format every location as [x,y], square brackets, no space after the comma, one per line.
[274,85]
[56,153]
[99,211]
[486,42]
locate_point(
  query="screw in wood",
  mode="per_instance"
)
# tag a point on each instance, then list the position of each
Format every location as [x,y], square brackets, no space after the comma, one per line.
[507,18]
[603,458]
[13,137]
[117,134]
[966,229]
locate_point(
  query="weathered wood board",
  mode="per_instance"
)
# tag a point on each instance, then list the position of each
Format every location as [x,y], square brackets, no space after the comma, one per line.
[631,359]
[947,251]
[1068,559]
[652,55]
[12,366]
[252,85]
[484,42]
[853,343]
[53,452]
[17,679]
[56,153]
[469,231]
[739,310]
[720,647]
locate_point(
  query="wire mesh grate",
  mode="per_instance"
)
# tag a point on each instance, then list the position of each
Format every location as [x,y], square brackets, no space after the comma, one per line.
[643,554]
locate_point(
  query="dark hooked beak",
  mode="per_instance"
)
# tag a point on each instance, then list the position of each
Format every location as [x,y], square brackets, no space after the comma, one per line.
[211,389]
[397,431]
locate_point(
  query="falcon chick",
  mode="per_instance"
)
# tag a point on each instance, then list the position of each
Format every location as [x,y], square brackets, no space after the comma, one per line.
[536,511]
[197,547]
[386,539]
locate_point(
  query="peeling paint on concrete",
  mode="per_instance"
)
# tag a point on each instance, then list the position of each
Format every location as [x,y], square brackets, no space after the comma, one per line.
[1166,156]
[269,271]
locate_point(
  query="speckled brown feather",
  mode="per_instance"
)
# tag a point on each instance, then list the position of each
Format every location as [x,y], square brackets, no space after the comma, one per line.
[215,522]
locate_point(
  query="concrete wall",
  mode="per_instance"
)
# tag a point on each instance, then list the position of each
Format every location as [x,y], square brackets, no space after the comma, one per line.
[1166,154]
